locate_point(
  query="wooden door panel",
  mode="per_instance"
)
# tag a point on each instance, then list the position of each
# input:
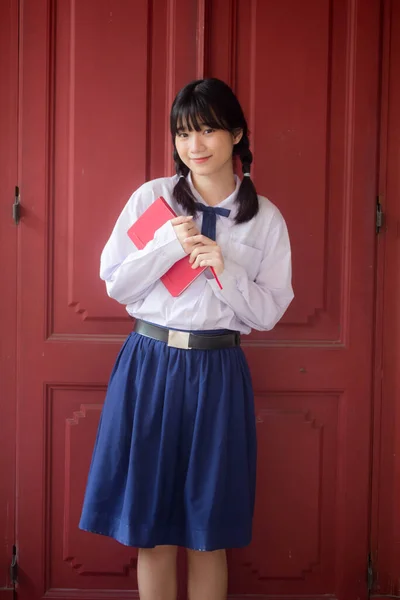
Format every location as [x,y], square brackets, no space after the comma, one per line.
[286,95]
[303,72]
[293,536]
[75,556]
[300,99]
[112,98]
[101,103]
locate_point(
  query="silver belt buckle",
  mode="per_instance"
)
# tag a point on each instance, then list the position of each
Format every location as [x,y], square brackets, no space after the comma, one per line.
[178,339]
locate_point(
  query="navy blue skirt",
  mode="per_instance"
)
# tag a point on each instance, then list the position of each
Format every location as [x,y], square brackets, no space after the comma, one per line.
[174,460]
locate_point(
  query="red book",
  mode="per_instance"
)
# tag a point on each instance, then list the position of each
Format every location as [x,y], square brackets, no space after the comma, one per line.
[181,274]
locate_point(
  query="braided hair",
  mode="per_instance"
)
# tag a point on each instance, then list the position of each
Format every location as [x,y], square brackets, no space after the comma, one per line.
[211,102]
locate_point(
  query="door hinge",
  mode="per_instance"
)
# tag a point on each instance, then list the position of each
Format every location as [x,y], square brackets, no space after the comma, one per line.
[370,574]
[17,206]
[14,567]
[379,214]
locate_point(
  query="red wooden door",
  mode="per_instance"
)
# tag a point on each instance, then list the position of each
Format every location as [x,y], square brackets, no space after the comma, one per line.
[98,78]
[386,489]
[307,73]
[8,260]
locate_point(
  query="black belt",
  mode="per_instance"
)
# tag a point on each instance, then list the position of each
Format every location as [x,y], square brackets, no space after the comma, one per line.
[187,340]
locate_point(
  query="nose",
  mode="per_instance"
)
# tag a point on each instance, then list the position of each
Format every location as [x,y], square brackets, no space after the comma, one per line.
[196,142]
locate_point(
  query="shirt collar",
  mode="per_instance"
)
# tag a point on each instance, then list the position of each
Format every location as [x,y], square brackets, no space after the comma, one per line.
[229,202]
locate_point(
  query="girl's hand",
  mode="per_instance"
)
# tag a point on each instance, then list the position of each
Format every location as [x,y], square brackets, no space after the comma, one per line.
[206,253]
[184,229]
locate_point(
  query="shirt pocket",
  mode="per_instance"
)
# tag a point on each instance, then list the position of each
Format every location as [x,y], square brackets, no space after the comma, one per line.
[246,256]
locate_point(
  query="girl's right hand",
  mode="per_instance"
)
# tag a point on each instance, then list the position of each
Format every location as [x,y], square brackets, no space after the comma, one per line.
[184,228]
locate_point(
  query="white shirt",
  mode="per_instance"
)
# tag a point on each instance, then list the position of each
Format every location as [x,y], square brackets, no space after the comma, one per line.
[256,281]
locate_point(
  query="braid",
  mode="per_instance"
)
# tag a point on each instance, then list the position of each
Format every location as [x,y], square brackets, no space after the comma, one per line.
[182,192]
[247,198]
[245,153]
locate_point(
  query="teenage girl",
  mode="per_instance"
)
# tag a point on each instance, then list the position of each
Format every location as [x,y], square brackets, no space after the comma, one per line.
[174,462]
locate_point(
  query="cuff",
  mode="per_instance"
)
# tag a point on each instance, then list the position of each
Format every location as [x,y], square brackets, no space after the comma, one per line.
[165,238]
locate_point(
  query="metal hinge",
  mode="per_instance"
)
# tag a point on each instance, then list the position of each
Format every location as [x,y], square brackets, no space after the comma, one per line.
[379,214]
[14,567]
[17,206]
[370,574]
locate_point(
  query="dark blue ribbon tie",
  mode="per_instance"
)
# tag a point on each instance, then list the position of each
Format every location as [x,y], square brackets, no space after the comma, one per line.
[209,225]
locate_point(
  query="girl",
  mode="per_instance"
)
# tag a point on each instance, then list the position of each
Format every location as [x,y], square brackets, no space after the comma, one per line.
[174,462]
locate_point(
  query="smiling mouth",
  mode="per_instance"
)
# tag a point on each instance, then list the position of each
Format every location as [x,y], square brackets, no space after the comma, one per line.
[200,160]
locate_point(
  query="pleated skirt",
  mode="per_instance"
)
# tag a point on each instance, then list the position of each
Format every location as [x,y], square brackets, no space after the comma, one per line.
[174,460]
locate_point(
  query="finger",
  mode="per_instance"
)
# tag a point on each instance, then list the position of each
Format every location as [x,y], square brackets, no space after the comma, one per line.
[181,219]
[211,262]
[200,249]
[201,239]
[194,258]
[191,247]
[203,261]
[207,263]
[185,232]
[196,263]
[202,257]
[195,252]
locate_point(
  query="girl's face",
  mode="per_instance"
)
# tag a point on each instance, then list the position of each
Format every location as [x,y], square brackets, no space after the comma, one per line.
[208,151]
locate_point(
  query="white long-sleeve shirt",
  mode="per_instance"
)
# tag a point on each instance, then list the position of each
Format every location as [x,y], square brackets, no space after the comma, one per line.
[256,280]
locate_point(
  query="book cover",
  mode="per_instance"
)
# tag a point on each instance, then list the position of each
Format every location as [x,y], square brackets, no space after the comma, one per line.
[181,274]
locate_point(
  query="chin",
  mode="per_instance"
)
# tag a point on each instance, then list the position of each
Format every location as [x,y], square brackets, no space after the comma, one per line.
[204,171]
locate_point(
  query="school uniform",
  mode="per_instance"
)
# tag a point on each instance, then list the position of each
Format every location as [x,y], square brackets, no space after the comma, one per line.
[174,460]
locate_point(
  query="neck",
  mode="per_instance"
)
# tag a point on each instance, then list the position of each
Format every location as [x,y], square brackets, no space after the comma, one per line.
[214,188]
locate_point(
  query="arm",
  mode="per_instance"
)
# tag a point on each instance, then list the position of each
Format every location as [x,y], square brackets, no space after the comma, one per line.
[129,273]
[260,303]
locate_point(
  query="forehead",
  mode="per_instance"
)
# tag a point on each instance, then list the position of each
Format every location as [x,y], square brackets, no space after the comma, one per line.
[189,126]
[192,116]
[191,122]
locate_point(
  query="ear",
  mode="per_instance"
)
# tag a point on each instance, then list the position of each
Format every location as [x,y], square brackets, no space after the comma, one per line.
[237,135]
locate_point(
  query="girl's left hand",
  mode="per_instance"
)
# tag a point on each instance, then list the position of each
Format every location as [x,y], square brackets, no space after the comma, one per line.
[206,254]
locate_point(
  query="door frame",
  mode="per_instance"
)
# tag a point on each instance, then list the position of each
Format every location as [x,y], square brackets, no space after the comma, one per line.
[385,443]
[9,69]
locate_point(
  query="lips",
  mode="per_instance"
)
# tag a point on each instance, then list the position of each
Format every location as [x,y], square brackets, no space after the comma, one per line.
[200,161]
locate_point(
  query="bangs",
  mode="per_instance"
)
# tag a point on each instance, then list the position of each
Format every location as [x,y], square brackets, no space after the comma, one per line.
[193,112]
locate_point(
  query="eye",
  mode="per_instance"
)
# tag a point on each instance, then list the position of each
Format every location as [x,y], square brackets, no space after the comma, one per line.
[182,135]
[208,130]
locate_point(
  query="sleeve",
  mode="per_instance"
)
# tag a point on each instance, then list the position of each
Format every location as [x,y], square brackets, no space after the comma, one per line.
[130,273]
[260,303]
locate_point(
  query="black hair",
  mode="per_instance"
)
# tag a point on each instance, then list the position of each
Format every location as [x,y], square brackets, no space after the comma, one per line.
[211,102]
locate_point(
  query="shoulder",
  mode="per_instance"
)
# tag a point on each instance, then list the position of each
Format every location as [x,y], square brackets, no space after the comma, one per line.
[272,228]
[268,217]
[271,223]
[268,214]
